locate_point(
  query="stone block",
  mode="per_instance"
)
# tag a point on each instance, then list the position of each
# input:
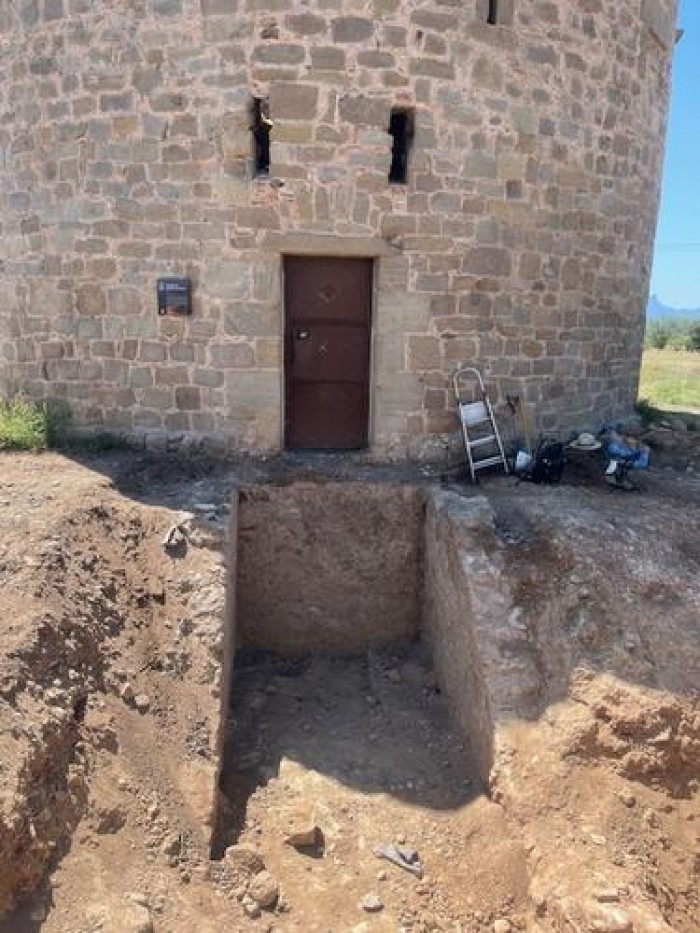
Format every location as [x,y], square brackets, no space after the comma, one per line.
[362,110]
[152,352]
[167,7]
[488,260]
[124,300]
[289,101]
[351,29]
[252,320]
[306,24]
[91,300]
[400,312]
[279,53]
[167,374]
[398,393]
[423,354]
[208,378]
[53,9]
[231,355]
[249,393]
[187,398]
[327,58]
[227,279]
[269,352]
[431,68]
[140,377]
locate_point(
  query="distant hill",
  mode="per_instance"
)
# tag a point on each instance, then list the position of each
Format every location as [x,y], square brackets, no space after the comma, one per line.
[658,311]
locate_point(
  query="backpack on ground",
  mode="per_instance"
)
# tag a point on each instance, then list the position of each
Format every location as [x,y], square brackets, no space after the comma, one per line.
[548,462]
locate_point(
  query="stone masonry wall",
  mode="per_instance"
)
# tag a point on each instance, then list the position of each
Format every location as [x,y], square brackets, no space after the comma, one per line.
[522,240]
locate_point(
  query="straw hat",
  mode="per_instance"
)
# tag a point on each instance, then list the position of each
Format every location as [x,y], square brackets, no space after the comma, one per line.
[585,442]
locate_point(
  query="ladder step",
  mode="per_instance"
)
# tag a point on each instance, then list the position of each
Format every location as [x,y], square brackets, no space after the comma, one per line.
[488,461]
[481,441]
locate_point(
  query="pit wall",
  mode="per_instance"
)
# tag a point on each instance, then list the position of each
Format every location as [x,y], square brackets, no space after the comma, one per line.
[328,568]
[342,567]
[522,239]
[129,616]
[483,658]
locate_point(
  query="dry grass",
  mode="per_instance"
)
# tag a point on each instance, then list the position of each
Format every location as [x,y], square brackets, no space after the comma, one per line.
[671,379]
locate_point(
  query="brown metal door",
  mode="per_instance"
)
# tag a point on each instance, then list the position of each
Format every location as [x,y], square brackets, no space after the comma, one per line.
[327,342]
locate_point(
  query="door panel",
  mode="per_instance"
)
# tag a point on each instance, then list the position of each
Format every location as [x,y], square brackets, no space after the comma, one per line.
[327,345]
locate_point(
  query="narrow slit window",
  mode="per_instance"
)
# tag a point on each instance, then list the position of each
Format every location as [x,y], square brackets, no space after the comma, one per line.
[401,130]
[262,124]
[492,16]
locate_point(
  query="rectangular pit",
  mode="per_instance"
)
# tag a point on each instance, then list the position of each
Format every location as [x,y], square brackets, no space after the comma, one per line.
[357,684]
[353,569]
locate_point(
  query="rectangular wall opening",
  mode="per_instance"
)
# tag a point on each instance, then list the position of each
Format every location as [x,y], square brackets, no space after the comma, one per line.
[401,129]
[261,129]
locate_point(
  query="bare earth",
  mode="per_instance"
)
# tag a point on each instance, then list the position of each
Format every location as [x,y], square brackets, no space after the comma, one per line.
[109,692]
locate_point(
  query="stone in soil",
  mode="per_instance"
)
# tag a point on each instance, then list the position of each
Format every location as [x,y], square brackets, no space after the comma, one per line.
[372,904]
[264,889]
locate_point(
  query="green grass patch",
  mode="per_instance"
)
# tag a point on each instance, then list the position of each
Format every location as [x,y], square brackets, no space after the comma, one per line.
[670,380]
[24,425]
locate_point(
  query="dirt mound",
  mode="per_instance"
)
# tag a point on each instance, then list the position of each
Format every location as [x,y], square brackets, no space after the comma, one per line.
[645,735]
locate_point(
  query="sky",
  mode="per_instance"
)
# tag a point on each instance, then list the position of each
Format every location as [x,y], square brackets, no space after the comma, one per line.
[676,271]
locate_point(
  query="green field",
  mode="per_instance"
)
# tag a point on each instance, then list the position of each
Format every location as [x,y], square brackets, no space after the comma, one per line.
[671,379]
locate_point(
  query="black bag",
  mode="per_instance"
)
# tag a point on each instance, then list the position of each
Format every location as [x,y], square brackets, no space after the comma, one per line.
[548,462]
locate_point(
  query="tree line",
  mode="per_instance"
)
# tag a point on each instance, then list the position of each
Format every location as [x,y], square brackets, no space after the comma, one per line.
[673,334]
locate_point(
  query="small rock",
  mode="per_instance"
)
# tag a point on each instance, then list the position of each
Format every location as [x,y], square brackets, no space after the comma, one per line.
[394,676]
[172,846]
[651,818]
[136,919]
[608,896]
[264,889]
[381,875]
[127,693]
[174,538]
[502,926]
[598,840]
[627,798]
[612,920]
[138,897]
[142,702]
[244,858]
[251,908]
[306,837]
[372,903]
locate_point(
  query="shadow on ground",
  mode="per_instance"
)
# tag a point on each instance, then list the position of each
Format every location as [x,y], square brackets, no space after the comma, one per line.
[377,723]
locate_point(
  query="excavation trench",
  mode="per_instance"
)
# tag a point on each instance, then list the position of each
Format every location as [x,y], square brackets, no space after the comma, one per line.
[367,658]
[357,701]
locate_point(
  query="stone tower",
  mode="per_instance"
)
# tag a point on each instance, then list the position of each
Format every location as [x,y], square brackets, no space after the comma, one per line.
[497,164]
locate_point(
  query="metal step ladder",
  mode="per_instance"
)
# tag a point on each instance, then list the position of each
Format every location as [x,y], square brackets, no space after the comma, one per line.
[479,428]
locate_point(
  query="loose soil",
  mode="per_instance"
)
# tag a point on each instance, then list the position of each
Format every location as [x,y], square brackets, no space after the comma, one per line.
[364,748]
[590,820]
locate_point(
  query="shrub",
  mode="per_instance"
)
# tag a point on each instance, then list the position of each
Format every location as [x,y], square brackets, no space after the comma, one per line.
[647,412]
[657,335]
[693,341]
[24,425]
